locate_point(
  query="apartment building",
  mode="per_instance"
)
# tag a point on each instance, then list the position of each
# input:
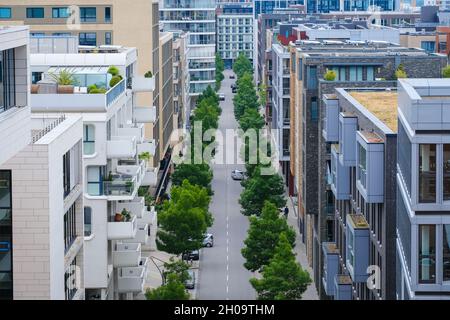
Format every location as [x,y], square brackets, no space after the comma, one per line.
[423,224]
[117,157]
[180,80]
[361,124]
[198,19]
[234,32]
[355,65]
[41,203]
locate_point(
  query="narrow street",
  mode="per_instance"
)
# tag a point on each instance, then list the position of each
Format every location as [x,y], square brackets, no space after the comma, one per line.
[222,274]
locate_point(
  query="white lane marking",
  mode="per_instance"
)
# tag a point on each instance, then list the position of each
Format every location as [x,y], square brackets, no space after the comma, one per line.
[228,267]
[227,278]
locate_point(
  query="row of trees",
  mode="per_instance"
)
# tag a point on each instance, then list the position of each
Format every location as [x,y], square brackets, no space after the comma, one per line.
[270,241]
[220,67]
[184,219]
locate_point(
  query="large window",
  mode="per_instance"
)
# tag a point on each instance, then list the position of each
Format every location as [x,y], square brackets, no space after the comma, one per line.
[35,13]
[5,13]
[89,139]
[446,171]
[88,14]
[70,280]
[63,12]
[88,39]
[66,173]
[427,253]
[108,14]
[362,165]
[314,109]
[428,46]
[7,80]
[446,253]
[312,77]
[427,173]
[87,221]
[6,286]
[94,180]
[70,227]
[108,38]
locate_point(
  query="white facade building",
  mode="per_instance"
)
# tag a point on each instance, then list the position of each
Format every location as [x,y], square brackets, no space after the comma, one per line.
[117,223]
[199,20]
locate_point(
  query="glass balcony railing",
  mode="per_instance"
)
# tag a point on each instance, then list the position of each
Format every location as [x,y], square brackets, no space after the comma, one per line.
[115,92]
[119,185]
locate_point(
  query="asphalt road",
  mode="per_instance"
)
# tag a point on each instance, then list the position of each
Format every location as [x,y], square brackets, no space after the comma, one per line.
[222,275]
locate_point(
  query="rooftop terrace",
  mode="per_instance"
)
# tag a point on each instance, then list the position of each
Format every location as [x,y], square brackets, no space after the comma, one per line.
[382,104]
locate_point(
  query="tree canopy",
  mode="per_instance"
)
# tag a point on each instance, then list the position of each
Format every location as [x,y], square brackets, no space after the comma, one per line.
[196,174]
[246,97]
[220,67]
[173,290]
[251,119]
[242,65]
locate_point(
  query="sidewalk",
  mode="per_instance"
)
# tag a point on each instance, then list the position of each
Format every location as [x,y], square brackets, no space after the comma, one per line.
[300,251]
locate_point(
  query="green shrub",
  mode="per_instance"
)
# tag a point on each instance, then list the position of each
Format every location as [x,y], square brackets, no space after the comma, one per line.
[91,87]
[115,80]
[330,75]
[446,72]
[148,74]
[400,74]
[114,71]
[98,91]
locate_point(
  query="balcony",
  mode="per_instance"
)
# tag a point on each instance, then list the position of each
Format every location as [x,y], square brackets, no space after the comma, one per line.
[147,146]
[136,207]
[123,183]
[144,114]
[330,124]
[340,176]
[143,233]
[121,147]
[77,101]
[122,230]
[148,217]
[357,253]
[126,255]
[342,287]
[131,279]
[151,177]
[330,266]
[143,84]
[370,166]
[133,130]
[348,124]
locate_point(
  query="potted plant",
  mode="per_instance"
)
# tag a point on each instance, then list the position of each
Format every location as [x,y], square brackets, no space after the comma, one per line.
[144,156]
[115,80]
[113,70]
[148,74]
[126,215]
[118,217]
[34,88]
[65,81]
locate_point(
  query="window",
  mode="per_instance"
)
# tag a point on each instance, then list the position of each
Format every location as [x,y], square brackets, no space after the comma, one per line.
[362,166]
[35,13]
[88,14]
[88,39]
[312,77]
[299,69]
[70,280]
[7,80]
[95,181]
[427,173]
[61,34]
[66,173]
[70,227]
[108,14]
[36,77]
[87,221]
[37,34]
[5,13]
[446,253]
[427,253]
[6,285]
[89,139]
[108,38]
[314,109]
[60,12]
[370,74]
[428,46]
[446,171]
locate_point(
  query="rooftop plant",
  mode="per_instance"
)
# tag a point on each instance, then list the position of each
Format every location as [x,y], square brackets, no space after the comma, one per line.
[63,78]
[330,75]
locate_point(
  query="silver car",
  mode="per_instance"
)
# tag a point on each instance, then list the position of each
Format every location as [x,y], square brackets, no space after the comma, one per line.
[208,241]
[190,283]
[237,175]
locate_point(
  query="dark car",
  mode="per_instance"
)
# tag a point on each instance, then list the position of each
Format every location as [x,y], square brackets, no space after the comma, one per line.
[193,255]
[232,76]
[234,90]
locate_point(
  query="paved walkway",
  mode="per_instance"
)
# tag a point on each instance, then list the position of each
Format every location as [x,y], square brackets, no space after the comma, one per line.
[300,251]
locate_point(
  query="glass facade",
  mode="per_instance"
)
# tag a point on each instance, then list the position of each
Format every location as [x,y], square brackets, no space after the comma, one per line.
[427,173]
[427,253]
[6,268]
[7,80]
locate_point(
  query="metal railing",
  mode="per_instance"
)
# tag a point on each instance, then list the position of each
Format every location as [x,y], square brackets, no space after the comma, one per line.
[37,136]
[115,92]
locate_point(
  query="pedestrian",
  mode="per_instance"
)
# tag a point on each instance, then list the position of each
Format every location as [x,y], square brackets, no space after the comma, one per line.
[286,212]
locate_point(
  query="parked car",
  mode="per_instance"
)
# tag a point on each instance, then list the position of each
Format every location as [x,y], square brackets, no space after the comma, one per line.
[190,283]
[193,255]
[237,175]
[234,90]
[232,76]
[221,97]
[208,241]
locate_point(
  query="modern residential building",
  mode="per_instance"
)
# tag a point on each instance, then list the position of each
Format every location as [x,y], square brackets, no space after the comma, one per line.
[269,6]
[41,203]
[386,17]
[372,64]
[234,32]
[199,20]
[361,124]
[423,223]
[180,80]
[117,223]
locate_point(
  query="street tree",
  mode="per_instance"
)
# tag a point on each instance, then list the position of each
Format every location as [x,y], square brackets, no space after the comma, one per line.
[242,65]
[196,174]
[173,290]
[258,188]
[246,97]
[220,67]
[184,219]
[251,119]
[283,278]
[177,267]
[263,236]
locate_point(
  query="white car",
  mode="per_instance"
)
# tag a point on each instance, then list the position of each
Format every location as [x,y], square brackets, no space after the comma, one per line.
[221,97]
[237,175]
[208,241]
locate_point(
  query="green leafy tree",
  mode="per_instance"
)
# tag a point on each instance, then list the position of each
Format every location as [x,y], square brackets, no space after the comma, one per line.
[251,119]
[283,278]
[196,174]
[259,188]
[173,290]
[330,75]
[446,72]
[184,219]
[177,267]
[263,236]
[262,92]
[246,97]
[400,73]
[207,114]
[220,67]
[208,93]
[242,65]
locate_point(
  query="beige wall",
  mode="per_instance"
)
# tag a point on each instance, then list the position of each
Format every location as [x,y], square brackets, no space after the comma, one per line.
[415,41]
